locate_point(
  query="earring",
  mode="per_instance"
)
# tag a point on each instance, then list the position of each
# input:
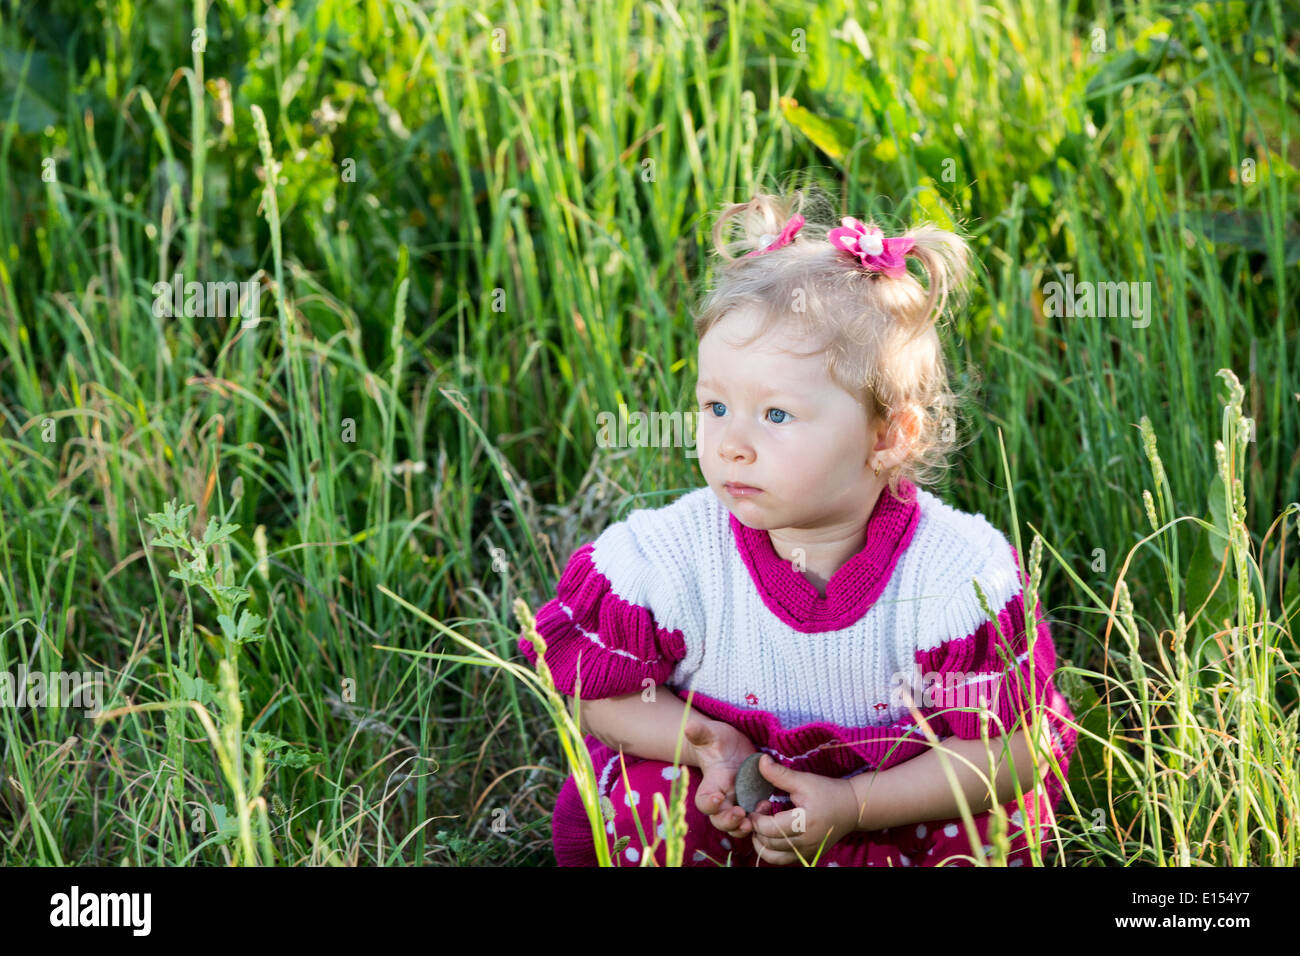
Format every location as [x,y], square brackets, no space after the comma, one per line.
[877,469]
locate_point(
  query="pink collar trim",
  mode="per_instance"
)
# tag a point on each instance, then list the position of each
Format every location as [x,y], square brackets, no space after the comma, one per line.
[853,589]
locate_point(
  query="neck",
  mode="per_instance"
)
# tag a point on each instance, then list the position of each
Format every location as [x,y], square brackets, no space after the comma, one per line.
[820,550]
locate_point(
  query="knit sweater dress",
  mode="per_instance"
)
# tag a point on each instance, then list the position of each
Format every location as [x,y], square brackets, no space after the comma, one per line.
[689,597]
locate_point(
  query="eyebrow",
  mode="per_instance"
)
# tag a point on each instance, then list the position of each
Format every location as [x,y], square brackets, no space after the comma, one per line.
[765,391]
[711,384]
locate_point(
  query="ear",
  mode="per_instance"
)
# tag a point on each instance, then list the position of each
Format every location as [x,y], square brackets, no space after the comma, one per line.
[899,431]
[910,423]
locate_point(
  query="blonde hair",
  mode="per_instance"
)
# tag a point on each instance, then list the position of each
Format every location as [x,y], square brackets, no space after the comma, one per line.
[879,333]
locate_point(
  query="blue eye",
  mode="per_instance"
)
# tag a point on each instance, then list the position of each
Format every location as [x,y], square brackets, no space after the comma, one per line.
[785,416]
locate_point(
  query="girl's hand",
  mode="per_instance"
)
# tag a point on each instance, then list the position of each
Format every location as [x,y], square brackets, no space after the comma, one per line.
[719,750]
[825,809]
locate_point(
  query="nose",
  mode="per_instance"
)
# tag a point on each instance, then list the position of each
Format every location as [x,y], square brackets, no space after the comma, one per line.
[734,445]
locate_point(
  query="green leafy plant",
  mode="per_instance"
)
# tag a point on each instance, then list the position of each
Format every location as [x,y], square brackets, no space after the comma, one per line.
[212,574]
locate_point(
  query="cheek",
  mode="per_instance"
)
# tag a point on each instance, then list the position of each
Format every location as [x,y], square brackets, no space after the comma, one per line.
[824,456]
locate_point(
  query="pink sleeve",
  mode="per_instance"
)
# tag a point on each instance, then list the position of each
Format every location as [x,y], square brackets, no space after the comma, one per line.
[966,675]
[614,645]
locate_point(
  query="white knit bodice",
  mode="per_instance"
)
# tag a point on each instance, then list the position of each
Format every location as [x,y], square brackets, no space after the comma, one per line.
[682,562]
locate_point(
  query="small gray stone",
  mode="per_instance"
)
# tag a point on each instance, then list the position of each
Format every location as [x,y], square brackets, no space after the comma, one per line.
[751,786]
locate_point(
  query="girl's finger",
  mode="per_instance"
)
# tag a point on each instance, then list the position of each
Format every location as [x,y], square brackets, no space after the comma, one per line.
[722,801]
[775,857]
[774,843]
[723,822]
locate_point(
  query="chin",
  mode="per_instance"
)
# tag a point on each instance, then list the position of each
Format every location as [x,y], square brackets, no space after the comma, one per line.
[749,516]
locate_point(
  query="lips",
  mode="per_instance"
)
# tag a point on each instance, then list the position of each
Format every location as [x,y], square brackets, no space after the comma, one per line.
[735,488]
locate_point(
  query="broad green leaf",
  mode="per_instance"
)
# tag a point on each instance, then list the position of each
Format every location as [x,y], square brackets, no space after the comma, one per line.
[834,137]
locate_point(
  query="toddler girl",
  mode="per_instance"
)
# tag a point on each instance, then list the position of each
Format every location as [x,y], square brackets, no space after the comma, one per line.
[812,602]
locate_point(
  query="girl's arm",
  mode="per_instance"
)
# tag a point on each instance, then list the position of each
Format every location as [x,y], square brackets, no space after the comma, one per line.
[648,729]
[917,790]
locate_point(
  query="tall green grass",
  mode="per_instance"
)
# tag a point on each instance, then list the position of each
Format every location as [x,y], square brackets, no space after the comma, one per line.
[477,228]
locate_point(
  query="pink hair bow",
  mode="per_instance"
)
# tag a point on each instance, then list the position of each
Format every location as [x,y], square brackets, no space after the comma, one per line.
[771,242]
[870,246]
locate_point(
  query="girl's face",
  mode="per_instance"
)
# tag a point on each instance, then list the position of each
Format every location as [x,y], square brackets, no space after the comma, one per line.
[775,421]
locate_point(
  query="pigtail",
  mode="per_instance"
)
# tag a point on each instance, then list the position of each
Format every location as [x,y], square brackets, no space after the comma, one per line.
[946,260]
[763,215]
[766,214]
